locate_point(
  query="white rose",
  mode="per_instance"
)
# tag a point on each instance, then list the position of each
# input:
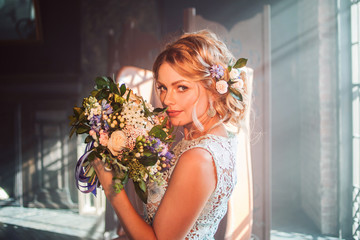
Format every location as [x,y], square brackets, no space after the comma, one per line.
[117,142]
[239,84]
[221,86]
[234,74]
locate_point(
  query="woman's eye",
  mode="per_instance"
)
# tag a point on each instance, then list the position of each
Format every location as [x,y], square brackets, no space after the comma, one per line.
[182,88]
[161,88]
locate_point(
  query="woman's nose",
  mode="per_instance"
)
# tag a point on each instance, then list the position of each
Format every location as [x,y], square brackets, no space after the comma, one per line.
[168,99]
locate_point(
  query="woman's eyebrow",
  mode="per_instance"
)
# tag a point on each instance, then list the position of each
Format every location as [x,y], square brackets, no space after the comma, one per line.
[174,83]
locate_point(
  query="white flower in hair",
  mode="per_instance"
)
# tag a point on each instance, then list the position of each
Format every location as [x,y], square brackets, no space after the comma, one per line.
[234,74]
[221,86]
[239,84]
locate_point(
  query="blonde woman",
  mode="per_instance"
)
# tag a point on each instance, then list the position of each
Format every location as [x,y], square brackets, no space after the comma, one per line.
[205,97]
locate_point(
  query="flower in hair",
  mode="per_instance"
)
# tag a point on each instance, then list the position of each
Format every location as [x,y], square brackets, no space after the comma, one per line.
[217,71]
[236,83]
[237,78]
[221,86]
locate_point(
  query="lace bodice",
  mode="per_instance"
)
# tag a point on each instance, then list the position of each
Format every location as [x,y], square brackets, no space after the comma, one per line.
[223,152]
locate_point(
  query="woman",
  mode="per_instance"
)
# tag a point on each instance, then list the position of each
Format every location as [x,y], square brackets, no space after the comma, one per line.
[194,84]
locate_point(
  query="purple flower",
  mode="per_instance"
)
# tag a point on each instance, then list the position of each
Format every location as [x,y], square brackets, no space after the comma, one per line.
[106,126]
[169,155]
[217,71]
[95,120]
[95,123]
[106,107]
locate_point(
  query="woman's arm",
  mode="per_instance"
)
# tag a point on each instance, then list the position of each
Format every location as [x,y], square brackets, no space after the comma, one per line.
[133,224]
[191,184]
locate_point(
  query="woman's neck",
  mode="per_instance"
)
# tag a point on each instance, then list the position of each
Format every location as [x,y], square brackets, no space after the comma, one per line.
[191,131]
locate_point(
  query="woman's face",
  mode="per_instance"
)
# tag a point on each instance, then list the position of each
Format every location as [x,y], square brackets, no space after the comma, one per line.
[179,95]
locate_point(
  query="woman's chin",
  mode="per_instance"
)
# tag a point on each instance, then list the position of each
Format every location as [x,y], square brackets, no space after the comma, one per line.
[176,123]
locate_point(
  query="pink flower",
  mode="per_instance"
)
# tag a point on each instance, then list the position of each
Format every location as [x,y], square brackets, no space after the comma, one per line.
[92,133]
[104,138]
[221,86]
[117,142]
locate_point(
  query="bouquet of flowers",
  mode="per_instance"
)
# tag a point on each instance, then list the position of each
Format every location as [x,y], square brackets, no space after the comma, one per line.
[126,133]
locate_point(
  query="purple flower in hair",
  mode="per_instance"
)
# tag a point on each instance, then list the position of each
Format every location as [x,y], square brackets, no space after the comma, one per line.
[217,71]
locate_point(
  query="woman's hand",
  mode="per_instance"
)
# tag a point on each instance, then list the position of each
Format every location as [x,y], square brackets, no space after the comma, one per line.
[105,177]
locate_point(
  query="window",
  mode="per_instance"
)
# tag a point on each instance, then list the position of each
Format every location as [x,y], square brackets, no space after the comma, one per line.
[355,54]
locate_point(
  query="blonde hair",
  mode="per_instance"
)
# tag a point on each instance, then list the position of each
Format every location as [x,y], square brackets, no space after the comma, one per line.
[192,56]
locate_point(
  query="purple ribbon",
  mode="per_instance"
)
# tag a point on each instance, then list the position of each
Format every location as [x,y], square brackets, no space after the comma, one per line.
[80,175]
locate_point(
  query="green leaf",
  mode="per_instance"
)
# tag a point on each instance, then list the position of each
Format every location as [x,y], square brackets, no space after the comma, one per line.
[72,119]
[91,156]
[142,195]
[159,110]
[102,94]
[126,178]
[158,132]
[72,131]
[240,63]
[82,116]
[102,82]
[171,130]
[117,107]
[163,124]
[114,87]
[147,112]
[229,68]
[236,94]
[82,129]
[97,154]
[118,99]
[118,187]
[122,89]
[147,153]
[88,139]
[77,111]
[142,185]
[148,161]
[128,95]
[94,92]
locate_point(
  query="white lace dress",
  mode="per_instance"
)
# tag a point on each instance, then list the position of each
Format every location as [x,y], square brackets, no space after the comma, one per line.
[223,151]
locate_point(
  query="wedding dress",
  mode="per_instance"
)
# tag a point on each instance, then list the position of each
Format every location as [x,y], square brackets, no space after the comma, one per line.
[223,151]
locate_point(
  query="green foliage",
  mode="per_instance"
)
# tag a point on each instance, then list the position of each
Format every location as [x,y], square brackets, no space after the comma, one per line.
[82,129]
[148,160]
[88,139]
[102,82]
[236,94]
[141,191]
[158,132]
[122,89]
[240,63]
[159,110]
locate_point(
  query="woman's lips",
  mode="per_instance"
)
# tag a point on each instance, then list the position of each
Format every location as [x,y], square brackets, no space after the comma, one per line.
[173,113]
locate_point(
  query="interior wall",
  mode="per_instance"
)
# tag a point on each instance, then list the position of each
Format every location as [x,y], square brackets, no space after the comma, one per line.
[304,108]
[37,77]
[285,107]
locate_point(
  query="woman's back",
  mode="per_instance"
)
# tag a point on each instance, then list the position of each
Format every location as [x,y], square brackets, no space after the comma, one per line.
[223,152]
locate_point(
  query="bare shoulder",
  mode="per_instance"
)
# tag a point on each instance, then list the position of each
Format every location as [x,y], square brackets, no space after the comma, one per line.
[198,158]
[196,164]
[191,185]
